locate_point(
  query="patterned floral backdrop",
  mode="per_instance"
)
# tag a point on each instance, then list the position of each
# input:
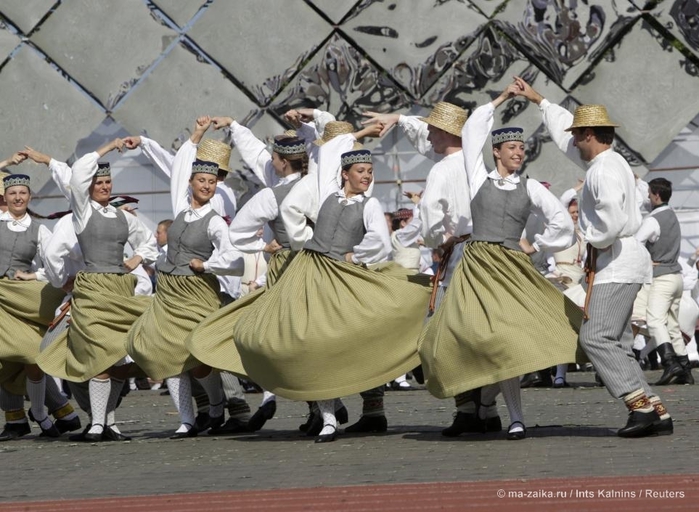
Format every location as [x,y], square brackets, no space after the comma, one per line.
[152,66]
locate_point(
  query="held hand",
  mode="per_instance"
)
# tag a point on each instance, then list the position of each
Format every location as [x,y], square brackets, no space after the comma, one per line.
[132,141]
[118,144]
[348,257]
[202,123]
[509,93]
[306,114]
[20,275]
[197,265]
[18,158]
[414,196]
[370,130]
[272,247]
[221,122]
[527,91]
[386,120]
[526,246]
[252,286]
[293,118]
[132,262]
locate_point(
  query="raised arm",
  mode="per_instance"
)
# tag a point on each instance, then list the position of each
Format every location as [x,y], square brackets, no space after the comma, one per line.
[182,166]
[158,155]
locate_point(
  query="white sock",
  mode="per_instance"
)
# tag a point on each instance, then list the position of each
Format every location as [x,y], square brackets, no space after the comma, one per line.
[212,385]
[400,379]
[561,371]
[181,392]
[267,396]
[99,397]
[327,410]
[37,393]
[115,391]
[639,342]
[513,399]
[132,384]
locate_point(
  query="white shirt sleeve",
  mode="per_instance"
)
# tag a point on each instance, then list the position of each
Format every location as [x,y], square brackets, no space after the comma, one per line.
[300,204]
[410,234]
[38,262]
[567,197]
[416,132]
[158,155]
[557,119]
[649,230]
[433,208]
[474,135]
[330,164]
[376,244]
[642,198]
[260,209]
[84,170]
[181,173]
[609,208]
[141,239]
[61,253]
[227,195]
[559,233]
[254,153]
[61,173]
[224,260]
[321,118]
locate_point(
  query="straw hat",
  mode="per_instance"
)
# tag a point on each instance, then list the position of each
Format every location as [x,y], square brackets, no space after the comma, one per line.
[290,133]
[211,150]
[588,116]
[332,130]
[447,117]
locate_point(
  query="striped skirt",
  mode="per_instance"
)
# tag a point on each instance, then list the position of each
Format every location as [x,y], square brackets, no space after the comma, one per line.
[102,311]
[499,319]
[330,328]
[156,341]
[26,310]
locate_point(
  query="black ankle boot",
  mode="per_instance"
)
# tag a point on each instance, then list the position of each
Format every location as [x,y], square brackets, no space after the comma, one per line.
[686,377]
[653,360]
[672,368]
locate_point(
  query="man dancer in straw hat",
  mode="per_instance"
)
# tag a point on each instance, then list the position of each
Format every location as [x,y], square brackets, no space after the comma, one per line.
[609,218]
[446,214]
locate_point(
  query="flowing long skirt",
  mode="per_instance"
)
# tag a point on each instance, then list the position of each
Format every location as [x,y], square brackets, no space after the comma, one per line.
[330,328]
[26,310]
[212,340]
[102,311]
[156,341]
[499,319]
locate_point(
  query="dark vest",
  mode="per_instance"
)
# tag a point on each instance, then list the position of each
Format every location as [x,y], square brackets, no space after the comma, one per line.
[499,216]
[666,250]
[186,241]
[17,249]
[277,225]
[102,243]
[340,226]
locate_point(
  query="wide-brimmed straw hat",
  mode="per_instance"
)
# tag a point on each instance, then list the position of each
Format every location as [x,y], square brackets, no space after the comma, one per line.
[2,187]
[589,116]
[447,117]
[211,150]
[332,130]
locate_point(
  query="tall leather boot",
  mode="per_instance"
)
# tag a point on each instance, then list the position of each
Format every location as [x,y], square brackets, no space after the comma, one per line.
[672,368]
[686,377]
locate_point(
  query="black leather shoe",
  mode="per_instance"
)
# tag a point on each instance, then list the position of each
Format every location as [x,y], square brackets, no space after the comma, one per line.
[110,434]
[52,431]
[686,377]
[14,431]
[315,425]
[672,373]
[663,427]
[559,383]
[79,438]
[232,426]
[341,415]
[64,426]
[201,423]
[327,438]
[518,435]
[640,424]
[264,413]
[493,424]
[192,432]
[376,424]
[466,422]
[216,421]
[531,380]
